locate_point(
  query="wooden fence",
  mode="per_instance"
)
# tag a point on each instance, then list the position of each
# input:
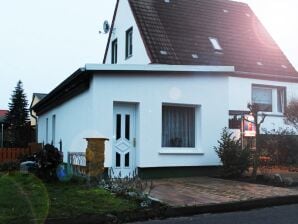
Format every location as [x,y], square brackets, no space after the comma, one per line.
[15,154]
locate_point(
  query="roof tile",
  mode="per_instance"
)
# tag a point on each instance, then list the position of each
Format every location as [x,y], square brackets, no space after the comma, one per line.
[182,27]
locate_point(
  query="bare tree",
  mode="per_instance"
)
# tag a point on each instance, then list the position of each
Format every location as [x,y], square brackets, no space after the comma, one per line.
[291,113]
[255,111]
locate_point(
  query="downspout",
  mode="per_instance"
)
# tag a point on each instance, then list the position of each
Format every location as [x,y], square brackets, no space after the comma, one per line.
[36,126]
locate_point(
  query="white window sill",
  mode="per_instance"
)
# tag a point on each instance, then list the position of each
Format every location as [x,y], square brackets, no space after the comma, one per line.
[181,151]
[272,114]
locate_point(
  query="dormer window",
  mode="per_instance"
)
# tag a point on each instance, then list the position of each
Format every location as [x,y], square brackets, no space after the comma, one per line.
[215,44]
[128,45]
[114,51]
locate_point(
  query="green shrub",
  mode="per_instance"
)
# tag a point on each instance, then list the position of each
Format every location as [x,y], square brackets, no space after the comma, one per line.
[48,161]
[235,160]
[280,145]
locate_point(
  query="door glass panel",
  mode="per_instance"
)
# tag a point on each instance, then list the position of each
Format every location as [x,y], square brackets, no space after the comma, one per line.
[118,126]
[118,159]
[127,126]
[127,159]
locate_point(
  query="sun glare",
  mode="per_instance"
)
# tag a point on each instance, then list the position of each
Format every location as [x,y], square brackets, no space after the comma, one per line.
[280,17]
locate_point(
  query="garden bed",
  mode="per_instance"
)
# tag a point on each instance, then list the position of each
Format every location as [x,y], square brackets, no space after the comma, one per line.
[277,176]
[26,199]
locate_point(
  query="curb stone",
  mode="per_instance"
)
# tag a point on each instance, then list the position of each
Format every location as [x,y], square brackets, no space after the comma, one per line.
[168,212]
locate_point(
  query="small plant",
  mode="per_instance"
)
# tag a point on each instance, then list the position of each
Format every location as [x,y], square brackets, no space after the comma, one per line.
[235,160]
[132,187]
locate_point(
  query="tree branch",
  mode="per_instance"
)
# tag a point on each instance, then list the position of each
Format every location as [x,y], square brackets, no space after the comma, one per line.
[263,119]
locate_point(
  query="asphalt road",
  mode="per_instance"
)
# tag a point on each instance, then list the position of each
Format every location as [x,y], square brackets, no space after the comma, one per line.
[274,215]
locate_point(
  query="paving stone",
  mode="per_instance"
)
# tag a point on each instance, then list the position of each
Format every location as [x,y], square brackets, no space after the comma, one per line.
[205,190]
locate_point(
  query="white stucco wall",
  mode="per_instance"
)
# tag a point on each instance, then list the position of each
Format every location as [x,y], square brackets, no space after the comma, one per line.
[73,124]
[124,20]
[240,93]
[210,94]
[90,114]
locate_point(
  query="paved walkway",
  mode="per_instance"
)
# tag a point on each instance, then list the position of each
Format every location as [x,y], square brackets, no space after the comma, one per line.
[204,191]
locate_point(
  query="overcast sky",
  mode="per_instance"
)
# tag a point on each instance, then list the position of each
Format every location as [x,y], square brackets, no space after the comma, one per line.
[44,41]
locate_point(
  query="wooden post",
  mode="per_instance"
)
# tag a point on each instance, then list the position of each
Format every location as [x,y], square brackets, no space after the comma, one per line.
[95,157]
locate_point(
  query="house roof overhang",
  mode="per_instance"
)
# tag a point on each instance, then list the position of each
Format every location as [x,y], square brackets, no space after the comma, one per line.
[75,84]
[79,81]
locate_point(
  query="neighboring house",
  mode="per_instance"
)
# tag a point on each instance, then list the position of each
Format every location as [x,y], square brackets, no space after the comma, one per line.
[188,69]
[36,97]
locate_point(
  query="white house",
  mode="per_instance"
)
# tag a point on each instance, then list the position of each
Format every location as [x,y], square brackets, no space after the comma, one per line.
[175,73]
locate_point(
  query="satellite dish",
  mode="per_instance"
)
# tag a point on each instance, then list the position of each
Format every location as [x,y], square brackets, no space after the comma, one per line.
[106,26]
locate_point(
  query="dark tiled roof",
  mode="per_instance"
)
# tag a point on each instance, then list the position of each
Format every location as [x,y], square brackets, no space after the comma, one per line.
[174,31]
[3,112]
[40,96]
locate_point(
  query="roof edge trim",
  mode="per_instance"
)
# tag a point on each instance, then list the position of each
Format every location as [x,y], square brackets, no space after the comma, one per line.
[159,68]
[110,33]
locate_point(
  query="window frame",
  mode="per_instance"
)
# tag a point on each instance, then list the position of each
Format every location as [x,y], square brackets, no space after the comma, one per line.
[53,129]
[194,107]
[114,52]
[129,44]
[47,130]
[197,150]
[274,92]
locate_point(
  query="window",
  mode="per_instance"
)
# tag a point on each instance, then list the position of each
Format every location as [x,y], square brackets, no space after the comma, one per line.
[114,51]
[47,130]
[118,159]
[178,126]
[53,129]
[128,46]
[126,158]
[235,121]
[269,98]
[263,98]
[215,44]
[127,127]
[118,126]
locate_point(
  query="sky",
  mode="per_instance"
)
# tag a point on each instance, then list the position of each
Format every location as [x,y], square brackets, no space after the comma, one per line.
[42,42]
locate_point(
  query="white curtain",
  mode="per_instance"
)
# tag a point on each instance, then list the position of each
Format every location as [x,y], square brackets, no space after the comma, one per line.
[280,100]
[262,97]
[178,126]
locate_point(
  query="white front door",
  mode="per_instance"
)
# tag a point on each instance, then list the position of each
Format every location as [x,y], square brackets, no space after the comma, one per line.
[124,140]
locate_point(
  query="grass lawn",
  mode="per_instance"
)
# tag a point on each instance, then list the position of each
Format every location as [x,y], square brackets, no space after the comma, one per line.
[24,197]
